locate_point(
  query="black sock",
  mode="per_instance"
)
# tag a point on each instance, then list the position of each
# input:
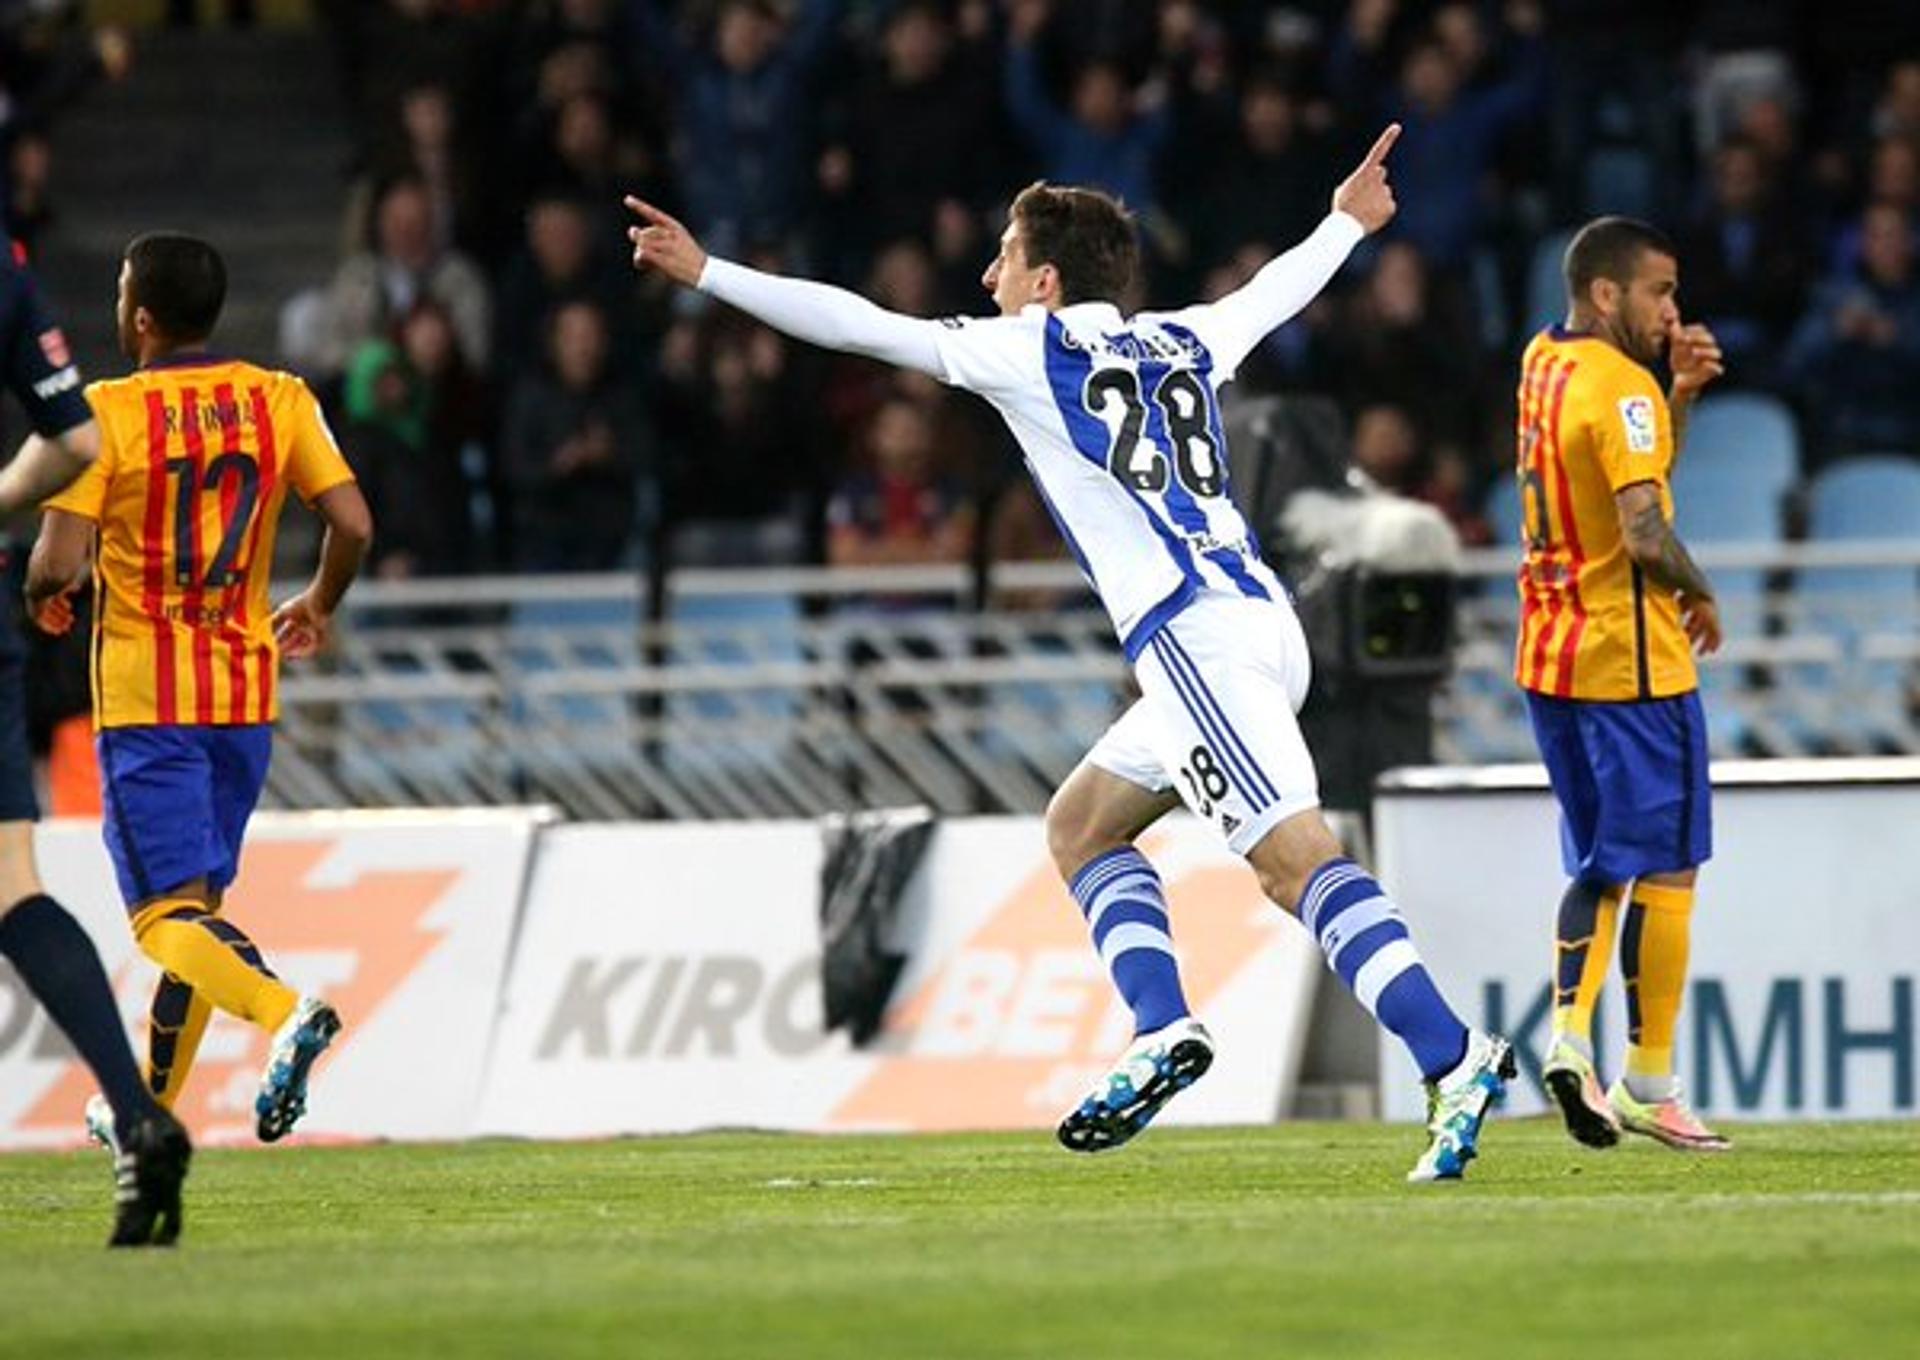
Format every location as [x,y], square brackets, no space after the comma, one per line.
[59,964]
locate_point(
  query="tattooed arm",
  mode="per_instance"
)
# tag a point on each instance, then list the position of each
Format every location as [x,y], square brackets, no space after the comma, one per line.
[1658,551]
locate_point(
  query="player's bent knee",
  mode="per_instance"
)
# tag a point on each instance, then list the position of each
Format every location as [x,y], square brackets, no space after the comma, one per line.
[1287,856]
[1074,832]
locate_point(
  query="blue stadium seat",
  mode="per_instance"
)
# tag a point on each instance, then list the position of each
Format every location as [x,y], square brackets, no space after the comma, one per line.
[1866,498]
[1741,459]
[738,630]
[1863,499]
[588,632]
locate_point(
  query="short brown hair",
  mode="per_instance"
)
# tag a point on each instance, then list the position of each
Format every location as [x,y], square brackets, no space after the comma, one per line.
[1610,248]
[181,281]
[1084,234]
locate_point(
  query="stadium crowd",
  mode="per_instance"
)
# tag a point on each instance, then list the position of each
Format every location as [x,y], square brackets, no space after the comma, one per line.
[515,397]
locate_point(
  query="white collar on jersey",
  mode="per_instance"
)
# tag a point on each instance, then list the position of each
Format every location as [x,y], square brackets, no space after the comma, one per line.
[1095,313]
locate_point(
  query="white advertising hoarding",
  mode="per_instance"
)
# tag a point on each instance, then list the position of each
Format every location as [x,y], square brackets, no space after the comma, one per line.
[668,979]
[401,919]
[1806,932]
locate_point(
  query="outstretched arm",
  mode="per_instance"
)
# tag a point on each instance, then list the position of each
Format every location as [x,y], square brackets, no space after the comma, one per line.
[815,312]
[1231,327]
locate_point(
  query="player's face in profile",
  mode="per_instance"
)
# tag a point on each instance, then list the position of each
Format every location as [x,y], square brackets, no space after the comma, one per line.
[1649,307]
[1008,278]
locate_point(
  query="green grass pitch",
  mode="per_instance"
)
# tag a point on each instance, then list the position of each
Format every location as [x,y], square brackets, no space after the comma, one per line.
[1296,1241]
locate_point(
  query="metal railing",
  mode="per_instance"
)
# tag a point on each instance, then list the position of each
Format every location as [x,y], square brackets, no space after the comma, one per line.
[794,692]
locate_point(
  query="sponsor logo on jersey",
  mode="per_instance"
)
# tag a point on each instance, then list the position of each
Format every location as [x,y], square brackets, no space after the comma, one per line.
[1636,413]
[64,381]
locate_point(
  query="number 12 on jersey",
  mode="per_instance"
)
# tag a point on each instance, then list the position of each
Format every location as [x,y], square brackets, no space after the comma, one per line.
[233,479]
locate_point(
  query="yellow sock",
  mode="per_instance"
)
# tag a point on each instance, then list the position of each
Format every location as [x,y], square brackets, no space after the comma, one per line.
[1583,950]
[214,958]
[1653,960]
[175,1023]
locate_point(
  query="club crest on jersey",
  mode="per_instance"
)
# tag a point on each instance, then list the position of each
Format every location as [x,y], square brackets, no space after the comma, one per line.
[54,345]
[1636,413]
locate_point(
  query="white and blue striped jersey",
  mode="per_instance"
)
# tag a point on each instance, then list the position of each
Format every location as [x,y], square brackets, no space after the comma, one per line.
[1118,417]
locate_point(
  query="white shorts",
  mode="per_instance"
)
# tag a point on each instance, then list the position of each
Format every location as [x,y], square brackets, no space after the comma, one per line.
[1220,686]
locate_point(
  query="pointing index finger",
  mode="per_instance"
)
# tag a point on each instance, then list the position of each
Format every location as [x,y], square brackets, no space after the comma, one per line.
[646,210]
[1383,144]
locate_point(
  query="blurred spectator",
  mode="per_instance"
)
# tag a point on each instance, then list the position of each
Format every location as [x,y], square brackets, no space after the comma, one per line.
[902,512]
[1108,136]
[1386,449]
[384,438]
[1450,134]
[575,447]
[1455,487]
[430,146]
[588,157]
[593,27]
[560,261]
[1897,113]
[737,421]
[42,73]
[1404,342]
[1268,187]
[894,167]
[1856,355]
[405,265]
[743,114]
[1019,529]
[409,418]
[383,48]
[459,427]
[1893,177]
[1745,265]
[29,180]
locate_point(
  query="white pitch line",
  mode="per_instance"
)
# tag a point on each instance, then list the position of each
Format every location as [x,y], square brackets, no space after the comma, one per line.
[1752,1199]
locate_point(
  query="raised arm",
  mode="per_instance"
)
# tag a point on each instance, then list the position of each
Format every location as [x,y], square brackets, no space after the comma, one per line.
[1231,327]
[1028,103]
[815,312]
[1695,359]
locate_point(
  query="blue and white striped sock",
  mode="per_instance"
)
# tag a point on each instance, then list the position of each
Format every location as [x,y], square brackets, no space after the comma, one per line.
[1365,940]
[1120,895]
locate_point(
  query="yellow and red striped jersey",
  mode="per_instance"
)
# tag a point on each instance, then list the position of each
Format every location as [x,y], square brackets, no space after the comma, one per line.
[196,456]
[1592,421]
